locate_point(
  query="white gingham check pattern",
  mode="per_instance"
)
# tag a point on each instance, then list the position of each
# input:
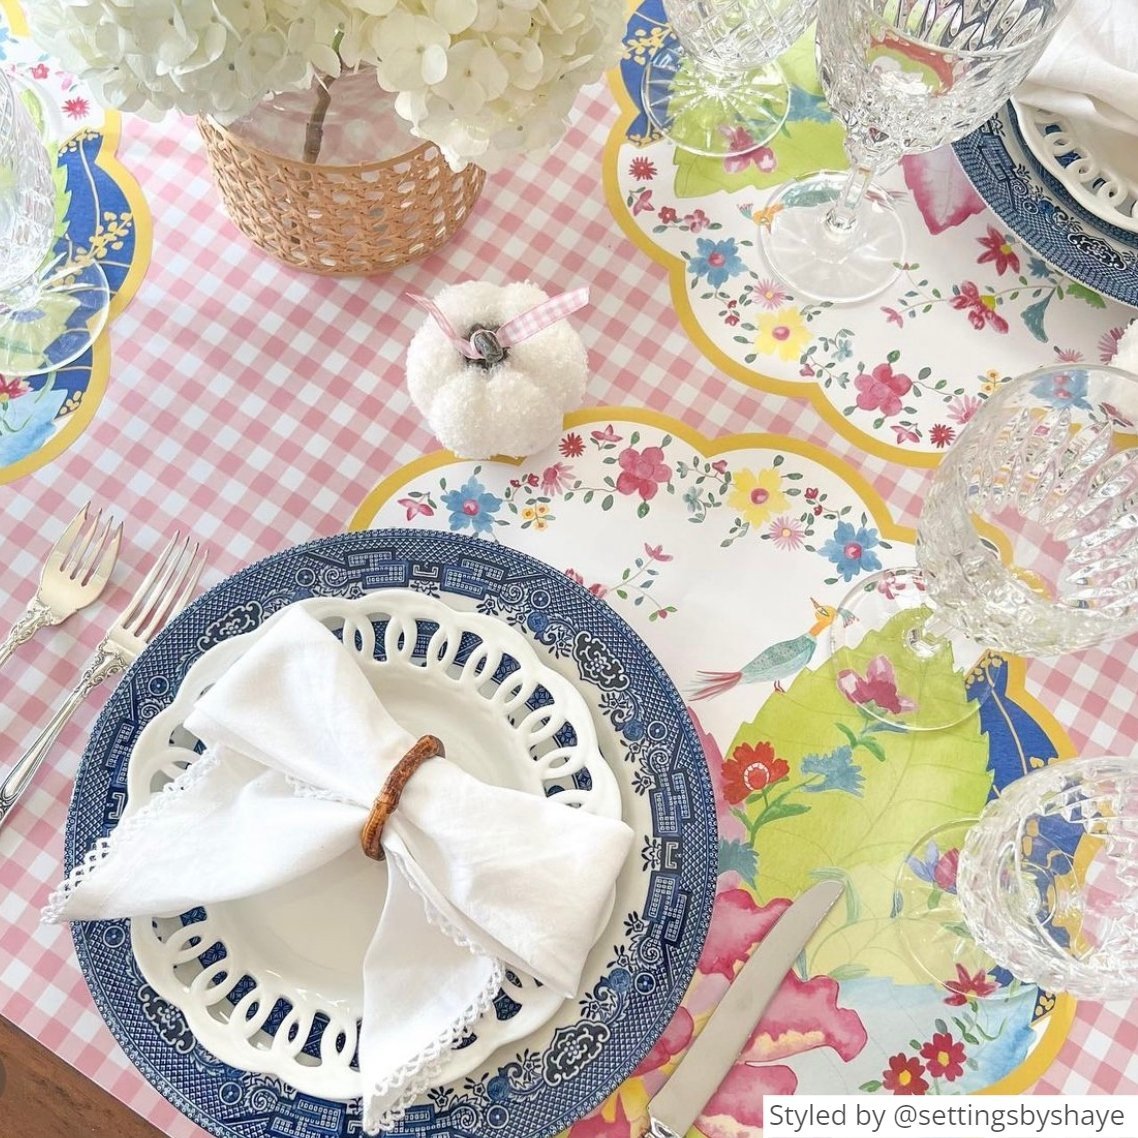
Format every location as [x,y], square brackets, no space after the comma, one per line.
[258,405]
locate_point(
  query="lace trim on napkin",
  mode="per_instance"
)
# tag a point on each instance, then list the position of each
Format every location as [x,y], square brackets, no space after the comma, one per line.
[422,1072]
[52,912]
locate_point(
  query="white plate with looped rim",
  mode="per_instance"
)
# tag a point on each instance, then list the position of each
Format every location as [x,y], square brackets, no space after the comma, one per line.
[1096,165]
[273,983]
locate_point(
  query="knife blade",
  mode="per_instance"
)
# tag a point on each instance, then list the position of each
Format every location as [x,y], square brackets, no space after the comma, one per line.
[676,1106]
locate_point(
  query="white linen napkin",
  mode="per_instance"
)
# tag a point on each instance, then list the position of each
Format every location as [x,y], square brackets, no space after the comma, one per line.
[479,877]
[1089,70]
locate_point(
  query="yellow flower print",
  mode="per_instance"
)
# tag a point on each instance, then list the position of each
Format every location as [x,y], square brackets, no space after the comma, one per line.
[991,380]
[537,516]
[782,333]
[767,214]
[757,495]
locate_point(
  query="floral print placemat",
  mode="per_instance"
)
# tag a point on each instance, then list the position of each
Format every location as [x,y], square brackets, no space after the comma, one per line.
[731,559]
[899,374]
[104,213]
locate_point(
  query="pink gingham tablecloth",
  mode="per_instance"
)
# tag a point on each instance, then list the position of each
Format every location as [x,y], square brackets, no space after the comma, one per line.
[257,406]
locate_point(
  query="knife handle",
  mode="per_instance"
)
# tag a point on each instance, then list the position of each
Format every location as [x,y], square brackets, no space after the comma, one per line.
[658,1130]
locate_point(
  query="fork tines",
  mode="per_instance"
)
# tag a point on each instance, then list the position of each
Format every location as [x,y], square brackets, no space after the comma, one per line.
[87,549]
[165,589]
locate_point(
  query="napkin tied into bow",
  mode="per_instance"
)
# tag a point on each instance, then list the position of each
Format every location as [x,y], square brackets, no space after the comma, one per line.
[480,877]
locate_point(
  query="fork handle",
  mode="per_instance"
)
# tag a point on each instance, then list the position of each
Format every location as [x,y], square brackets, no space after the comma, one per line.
[36,616]
[104,663]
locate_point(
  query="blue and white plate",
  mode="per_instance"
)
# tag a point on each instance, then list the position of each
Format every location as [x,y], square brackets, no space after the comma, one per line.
[540,1084]
[1035,206]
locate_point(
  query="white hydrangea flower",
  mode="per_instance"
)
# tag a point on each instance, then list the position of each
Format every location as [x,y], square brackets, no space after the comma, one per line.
[485,80]
[411,49]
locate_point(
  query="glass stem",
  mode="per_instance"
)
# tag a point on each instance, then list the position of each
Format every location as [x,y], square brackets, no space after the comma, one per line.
[841,221]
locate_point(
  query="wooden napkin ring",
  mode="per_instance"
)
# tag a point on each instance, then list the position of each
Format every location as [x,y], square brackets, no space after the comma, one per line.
[388,798]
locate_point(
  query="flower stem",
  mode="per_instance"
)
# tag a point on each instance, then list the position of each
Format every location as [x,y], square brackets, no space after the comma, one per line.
[314,129]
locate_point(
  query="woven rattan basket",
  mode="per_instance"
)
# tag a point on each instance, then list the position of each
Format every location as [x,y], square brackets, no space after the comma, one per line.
[341,220]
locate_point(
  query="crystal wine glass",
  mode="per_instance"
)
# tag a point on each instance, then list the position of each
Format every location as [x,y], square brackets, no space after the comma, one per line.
[904,76]
[52,304]
[1045,886]
[716,89]
[1027,542]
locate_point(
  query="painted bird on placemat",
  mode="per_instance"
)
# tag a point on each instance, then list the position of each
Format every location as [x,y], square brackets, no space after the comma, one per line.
[775,663]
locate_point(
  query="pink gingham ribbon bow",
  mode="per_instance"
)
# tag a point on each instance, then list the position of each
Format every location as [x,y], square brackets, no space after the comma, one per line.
[490,344]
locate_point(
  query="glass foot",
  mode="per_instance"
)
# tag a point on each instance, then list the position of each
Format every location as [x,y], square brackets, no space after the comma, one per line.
[818,263]
[720,115]
[931,922]
[926,677]
[56,322]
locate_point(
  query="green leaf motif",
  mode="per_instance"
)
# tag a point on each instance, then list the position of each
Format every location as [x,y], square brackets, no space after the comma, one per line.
[1085,294]
[738,856]
[926,780]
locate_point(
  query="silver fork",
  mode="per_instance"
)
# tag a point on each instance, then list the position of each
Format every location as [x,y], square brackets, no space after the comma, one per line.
[165,589]
[74,574]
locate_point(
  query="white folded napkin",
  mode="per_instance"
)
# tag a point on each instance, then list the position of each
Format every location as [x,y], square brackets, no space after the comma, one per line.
[479,877]
[1089,71]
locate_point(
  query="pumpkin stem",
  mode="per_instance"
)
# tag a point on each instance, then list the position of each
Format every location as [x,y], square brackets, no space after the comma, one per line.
[484,338]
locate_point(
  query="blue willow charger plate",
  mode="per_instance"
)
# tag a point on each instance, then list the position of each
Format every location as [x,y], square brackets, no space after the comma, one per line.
[1036,207]
[547,1081]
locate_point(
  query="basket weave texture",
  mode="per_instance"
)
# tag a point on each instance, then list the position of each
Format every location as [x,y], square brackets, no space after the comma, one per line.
[341,220]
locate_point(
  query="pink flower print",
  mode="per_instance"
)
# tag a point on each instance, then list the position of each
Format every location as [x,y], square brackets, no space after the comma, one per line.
[981,308]
[736,924]
[786,533]
[414,508]
[1108,344]
[39,71]
[643,203]
[731,319]
[642,169]
[769,294]
[697,220]
[571,446]
[882,390]
[677,1035]
[573,575]
[76,108]
[998,250]
[12,387]
[668,214]
[720,466]
[889,585]
[905,434]
[761,156]
[608,435]
[962,408]
[892,316]
[940,435]
[877,686]
[642,472]
[599,591]
[656,553]
[1068,355]
[556,479]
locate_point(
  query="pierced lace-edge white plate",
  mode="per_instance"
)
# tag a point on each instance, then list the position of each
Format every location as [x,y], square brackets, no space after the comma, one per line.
[273,983]
[1103,174]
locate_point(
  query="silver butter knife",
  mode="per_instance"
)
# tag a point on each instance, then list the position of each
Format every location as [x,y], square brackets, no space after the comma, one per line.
[677,1105]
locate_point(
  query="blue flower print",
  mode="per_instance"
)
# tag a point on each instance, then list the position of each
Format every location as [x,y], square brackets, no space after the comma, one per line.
[838,771]
[1037,267]
[851,550]
[1063,389]
[717,260]
[472,505]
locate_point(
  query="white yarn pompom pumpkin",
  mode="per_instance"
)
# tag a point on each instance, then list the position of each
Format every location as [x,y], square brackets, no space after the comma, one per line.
[514,407]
